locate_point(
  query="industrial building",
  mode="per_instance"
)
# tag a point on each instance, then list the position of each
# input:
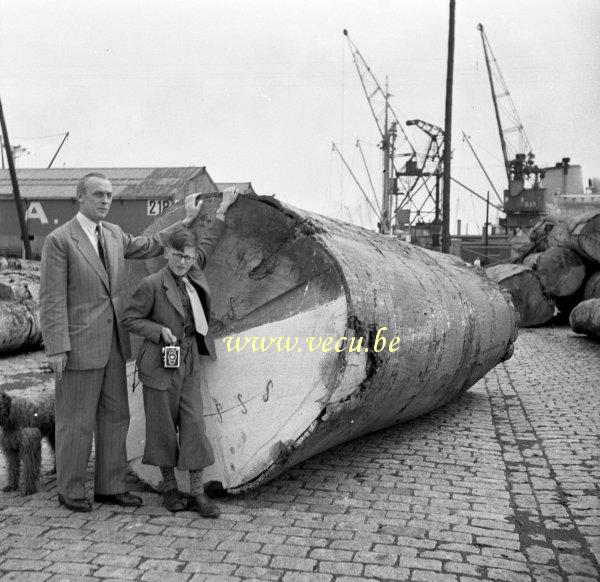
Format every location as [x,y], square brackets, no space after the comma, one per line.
[139,195]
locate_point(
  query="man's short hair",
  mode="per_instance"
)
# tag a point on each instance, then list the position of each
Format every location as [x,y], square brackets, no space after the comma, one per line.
[182,238]
[82,183]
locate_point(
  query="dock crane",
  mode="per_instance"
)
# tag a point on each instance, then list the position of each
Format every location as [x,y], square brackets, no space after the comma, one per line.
[432,163]
[406,186]
[523,206]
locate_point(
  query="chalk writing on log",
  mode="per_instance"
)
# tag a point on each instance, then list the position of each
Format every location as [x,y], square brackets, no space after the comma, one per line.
[241,403]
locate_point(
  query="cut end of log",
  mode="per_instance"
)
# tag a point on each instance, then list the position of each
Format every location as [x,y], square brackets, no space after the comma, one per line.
[532,305]
[585,318]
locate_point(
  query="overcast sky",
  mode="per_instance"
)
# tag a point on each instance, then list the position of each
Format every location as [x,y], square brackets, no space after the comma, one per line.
[257,90]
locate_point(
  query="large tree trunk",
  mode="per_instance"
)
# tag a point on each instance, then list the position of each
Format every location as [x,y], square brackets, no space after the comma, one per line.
[560,270]
[19,326]
[533,306]
[585,318]
[286,273]
[580,234]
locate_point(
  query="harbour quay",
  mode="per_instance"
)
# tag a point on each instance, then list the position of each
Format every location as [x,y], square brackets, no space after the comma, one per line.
[503,483]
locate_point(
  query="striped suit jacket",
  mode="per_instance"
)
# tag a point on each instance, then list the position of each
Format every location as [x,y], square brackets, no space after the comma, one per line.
[78,303]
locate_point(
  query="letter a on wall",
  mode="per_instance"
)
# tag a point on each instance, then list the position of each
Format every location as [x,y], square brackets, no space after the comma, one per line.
[36,212]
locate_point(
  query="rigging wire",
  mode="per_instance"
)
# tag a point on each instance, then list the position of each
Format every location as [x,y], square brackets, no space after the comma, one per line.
[39,136]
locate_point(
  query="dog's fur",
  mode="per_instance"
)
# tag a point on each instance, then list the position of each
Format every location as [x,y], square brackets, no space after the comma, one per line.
[23,424]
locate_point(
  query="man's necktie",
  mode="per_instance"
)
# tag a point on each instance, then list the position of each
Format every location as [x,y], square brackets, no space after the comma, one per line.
[197,310]
[101,252]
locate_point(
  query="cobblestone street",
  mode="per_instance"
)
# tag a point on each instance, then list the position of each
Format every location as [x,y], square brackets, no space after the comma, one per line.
[501,484]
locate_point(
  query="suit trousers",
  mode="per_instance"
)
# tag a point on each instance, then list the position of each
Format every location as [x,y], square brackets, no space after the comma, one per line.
[175,429]
[84,399]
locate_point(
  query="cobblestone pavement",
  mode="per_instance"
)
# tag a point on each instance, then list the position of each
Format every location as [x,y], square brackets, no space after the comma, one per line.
[502,484]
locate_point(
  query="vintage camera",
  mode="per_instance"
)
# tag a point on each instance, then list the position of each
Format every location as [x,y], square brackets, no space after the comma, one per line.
[170,356]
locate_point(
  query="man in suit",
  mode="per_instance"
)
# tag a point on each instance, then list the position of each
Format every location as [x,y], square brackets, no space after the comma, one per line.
[172,308]
[80,317]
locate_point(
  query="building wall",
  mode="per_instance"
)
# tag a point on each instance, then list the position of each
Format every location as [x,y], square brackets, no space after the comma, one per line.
[553,182]
[43,216]
[141,194]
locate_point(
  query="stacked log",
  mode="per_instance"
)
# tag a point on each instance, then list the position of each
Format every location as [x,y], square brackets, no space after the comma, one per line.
[532,304]
[19,305]
[559,270]
[592,287]
[580,236]
[19,326]
[285,274]
[585,318]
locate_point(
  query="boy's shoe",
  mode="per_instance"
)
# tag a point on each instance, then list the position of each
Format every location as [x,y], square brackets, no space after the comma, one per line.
[173,501]
[203,505]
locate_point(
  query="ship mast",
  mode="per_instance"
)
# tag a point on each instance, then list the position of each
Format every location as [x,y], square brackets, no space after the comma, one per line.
[390,131]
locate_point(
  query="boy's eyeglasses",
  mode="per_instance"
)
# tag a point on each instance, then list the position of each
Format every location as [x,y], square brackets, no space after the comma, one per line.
[181,257]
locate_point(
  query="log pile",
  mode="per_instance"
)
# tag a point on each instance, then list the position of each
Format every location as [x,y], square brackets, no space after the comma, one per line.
[285,278]
[19,305]
[564,259]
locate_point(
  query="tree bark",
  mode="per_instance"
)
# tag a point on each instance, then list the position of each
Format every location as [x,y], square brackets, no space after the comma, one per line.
[19,326]
[280,272]
[533,306]
[19,286]
[585,318]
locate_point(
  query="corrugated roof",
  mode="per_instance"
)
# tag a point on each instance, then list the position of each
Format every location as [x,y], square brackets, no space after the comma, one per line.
[127,182]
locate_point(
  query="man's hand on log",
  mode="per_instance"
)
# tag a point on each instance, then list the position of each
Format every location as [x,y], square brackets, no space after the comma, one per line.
[58,363]
[192,210]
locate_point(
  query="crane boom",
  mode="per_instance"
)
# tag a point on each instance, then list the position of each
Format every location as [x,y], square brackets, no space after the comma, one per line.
[511,146]
[374,91]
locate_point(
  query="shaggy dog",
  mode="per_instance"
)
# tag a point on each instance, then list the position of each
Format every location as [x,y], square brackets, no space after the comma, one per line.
[23,424]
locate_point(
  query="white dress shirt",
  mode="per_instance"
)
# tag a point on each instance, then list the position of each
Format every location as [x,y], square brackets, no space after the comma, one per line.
[89,227]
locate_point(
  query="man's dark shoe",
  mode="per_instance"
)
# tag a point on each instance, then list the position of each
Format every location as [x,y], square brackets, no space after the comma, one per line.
[203,505]
[173,501]
[75,504]
[124,499]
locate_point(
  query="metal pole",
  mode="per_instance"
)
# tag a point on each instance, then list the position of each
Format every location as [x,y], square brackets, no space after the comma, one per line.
[481,166]
[448,134]
[15,186]
[487,223]
[385,145]
[475,194]
[58,150]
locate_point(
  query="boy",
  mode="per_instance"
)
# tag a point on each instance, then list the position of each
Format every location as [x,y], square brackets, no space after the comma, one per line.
[172,307]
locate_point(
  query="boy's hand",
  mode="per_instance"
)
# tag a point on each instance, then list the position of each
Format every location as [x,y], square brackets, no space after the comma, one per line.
[167,336]
[230,195]
[191,209]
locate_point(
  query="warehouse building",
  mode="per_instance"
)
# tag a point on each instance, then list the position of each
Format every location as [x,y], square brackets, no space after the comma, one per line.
[139,195]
